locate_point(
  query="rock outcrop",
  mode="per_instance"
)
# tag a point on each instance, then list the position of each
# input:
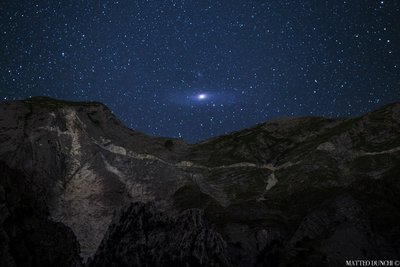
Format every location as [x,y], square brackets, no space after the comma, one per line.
[305,191]
[142,236]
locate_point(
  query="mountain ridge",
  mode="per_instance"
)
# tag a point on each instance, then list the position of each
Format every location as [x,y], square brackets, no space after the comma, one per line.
[282,192]
[57,102]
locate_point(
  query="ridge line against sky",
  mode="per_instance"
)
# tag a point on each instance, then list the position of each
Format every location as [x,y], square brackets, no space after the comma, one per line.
[197,69]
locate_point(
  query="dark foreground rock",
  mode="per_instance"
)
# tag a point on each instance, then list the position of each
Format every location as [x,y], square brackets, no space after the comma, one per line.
[142,236]
[27,237]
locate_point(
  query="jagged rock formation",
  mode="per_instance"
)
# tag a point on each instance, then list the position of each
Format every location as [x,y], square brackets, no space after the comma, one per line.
[309,191]
[143,236]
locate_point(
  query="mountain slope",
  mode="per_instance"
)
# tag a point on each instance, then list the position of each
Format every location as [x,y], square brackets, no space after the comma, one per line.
[305,190]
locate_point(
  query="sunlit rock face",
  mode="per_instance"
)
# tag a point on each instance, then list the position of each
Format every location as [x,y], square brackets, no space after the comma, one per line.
[306,190]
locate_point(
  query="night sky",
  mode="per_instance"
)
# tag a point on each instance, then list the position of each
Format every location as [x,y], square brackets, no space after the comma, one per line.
[197,69]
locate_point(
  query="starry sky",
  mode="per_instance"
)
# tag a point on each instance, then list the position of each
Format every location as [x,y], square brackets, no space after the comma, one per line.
[197,69]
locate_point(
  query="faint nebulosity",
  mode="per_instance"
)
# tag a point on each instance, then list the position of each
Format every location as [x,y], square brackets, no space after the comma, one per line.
[196,69]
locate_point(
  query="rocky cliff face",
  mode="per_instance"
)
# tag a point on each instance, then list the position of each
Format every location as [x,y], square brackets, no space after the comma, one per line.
[86,162]
[309,191]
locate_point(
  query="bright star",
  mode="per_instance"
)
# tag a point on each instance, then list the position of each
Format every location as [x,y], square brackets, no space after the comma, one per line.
[201,96]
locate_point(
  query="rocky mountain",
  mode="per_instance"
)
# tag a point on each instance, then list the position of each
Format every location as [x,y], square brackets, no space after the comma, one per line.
[294,192]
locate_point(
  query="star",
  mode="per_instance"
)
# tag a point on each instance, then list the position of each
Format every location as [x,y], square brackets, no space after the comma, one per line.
[201,96]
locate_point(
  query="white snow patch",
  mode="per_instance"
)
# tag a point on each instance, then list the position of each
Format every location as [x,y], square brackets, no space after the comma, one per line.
[114,170]
[381,152]
[271,182]
[185,164]
[116,149]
